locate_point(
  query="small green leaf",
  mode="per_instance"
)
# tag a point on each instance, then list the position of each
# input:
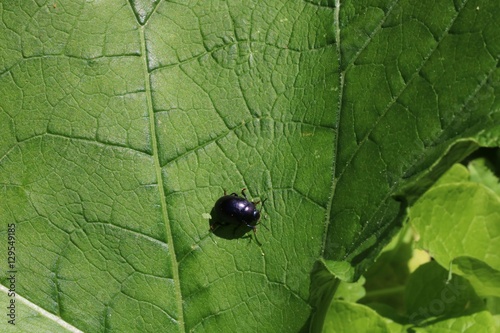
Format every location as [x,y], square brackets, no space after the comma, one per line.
[348,317]
[458,224]
[351,292]
[481,276]
[481,173]
[476,322]
[429,295]
[435,303]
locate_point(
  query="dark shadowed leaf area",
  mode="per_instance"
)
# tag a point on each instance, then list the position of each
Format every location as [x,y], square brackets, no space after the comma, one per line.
[121,124]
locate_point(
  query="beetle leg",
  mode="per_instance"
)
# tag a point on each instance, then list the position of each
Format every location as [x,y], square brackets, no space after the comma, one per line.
[255,235]
[262,225]
[243,192]
[254,228]
[250,226]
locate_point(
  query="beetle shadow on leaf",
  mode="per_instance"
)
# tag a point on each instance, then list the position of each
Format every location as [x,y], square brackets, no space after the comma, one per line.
[227,231]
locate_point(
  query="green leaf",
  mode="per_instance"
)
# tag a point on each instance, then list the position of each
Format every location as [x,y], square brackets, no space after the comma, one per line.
[476,322]
[436,304]
[326,278]
[349,317]
[23,317]
[431,295]
[458,224]
[351,292]
[481,173]
[386,278]
[121,123]
[412,103]
[482,277]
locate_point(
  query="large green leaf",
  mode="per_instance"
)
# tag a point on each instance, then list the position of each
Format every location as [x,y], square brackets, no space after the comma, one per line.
[122,122]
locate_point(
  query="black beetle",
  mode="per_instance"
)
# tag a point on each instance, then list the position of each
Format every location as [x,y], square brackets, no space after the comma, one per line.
[235,210]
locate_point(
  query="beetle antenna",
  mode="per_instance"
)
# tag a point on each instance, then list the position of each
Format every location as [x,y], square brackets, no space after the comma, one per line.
[263,202]
[262,205]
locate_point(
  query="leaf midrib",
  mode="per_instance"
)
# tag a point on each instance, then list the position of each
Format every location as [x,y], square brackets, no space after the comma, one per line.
[336,24]
[157,167]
